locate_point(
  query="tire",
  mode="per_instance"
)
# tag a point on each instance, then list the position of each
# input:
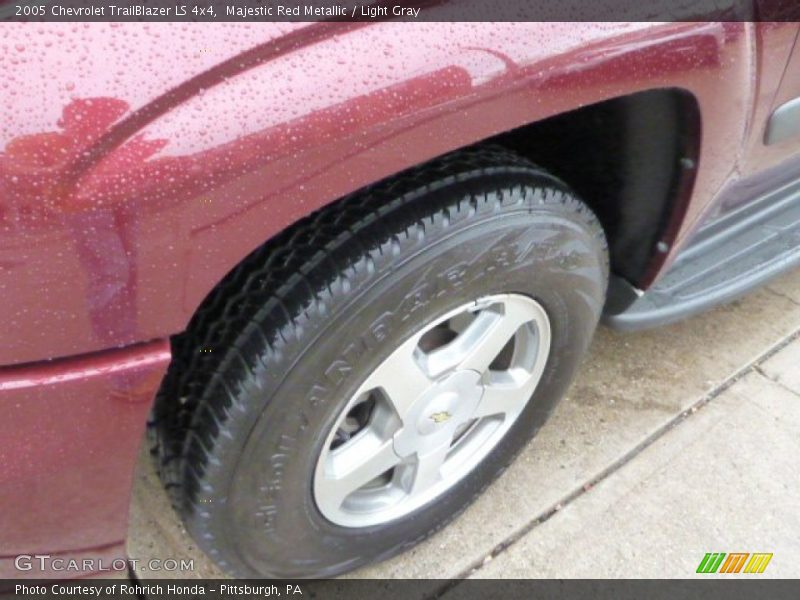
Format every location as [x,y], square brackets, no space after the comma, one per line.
[266,368]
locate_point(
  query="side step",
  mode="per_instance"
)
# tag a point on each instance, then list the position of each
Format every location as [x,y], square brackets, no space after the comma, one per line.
[730,257]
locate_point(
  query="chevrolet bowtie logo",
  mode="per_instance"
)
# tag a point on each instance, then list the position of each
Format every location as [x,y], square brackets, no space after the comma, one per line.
[440,417]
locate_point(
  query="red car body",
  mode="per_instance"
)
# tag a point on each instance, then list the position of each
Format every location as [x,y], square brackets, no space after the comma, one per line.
[139,163]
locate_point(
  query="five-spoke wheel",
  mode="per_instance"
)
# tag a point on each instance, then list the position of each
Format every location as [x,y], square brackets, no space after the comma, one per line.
[376,367]
[432,410]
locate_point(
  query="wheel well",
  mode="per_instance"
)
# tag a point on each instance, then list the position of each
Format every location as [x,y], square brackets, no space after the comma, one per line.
[631,159]
[625,157]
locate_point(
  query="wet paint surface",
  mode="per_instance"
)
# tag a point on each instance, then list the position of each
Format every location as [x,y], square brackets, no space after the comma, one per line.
[71,430]
[139,164]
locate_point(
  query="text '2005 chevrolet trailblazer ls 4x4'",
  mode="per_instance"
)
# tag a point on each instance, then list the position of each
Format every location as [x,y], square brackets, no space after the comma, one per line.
[348,269]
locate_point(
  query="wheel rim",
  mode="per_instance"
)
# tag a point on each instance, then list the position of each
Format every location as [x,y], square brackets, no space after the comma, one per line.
[432,411]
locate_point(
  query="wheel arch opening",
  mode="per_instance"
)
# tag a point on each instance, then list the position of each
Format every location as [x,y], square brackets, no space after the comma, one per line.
[626,157]
[632,159]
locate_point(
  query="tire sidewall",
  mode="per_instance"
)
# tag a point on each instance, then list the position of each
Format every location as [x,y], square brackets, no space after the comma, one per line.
[262,479]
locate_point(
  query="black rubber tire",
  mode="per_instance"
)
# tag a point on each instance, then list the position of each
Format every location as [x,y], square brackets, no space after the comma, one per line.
[286,339]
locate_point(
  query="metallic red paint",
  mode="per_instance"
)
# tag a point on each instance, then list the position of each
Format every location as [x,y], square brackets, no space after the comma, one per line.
[124,198]
[70,433]
[140,163]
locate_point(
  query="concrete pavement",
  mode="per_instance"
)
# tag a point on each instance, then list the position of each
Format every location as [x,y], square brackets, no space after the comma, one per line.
[724,481]
[671,443]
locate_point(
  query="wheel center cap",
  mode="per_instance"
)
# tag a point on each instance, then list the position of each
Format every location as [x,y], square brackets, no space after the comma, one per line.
[437,413]
[433,418]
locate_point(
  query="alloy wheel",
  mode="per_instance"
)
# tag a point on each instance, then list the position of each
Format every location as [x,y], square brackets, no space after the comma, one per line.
[432,411]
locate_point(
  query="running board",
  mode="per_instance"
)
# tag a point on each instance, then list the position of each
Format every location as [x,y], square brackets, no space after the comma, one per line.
[727,259]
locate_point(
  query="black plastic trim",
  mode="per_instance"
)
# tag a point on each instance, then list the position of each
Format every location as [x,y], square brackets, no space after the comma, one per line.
[726,260]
